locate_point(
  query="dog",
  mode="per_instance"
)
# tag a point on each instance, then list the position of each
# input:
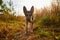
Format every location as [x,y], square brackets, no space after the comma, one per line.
[29,18]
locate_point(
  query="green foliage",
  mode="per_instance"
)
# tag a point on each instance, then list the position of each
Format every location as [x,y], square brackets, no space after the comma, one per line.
[59,16]
[1,2]
[58,37]
[37,22]
[43,33]
[45,20]
[6,10]
[53,20]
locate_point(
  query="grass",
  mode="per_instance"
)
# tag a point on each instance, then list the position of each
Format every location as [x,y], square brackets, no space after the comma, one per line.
[15,24]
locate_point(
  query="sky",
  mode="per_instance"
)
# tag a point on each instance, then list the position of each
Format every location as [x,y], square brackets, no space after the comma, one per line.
[18,4]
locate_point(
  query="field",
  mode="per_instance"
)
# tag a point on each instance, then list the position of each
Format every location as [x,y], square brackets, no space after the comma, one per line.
[46,21]
[12,28]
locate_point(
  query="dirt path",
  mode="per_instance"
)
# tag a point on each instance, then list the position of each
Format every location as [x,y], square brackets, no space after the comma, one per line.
[23,36]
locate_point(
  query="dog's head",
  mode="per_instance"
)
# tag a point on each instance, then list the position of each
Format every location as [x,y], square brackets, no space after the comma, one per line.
[27,13]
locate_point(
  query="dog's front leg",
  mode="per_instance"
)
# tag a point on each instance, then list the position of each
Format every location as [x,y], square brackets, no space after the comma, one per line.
[26,27]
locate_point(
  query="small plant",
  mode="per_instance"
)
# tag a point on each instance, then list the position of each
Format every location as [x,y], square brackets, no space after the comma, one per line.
[58,37]
[45,20]
[43,33]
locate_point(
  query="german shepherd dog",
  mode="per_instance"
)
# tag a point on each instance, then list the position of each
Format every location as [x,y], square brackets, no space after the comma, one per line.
[29,19]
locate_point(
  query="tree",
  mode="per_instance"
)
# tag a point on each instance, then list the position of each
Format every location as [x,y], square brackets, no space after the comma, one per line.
[0,5]
[1,2]
[6,9]
[11,7]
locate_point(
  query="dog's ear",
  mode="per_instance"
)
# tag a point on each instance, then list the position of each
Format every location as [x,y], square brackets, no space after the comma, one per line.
[24,10]
[32,9]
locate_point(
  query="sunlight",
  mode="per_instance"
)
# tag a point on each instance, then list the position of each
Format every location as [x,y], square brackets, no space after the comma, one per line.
[36,3]
[18,5]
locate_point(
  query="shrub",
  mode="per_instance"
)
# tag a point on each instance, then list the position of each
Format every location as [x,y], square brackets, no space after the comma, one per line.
[45,20]
[57,37]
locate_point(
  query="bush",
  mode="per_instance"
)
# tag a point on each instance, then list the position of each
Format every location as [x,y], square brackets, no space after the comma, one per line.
[45,20]
[43,33]
[57,37]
